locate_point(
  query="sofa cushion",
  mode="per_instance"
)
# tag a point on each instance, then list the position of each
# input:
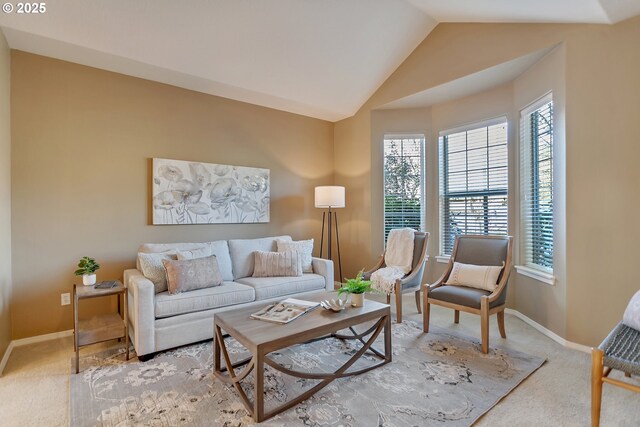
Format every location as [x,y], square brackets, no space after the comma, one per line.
[303,247]
[272,287]
[241,250]
[229,293]
[219,248]
[461,295]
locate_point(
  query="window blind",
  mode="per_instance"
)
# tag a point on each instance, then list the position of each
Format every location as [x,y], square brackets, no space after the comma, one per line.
[473,182]
[536,178]
[404,204]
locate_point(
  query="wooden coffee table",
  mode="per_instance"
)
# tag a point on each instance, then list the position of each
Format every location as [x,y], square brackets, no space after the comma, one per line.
[262,338]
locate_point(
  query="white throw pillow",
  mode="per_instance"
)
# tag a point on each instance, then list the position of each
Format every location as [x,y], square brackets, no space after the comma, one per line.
[631,316]
[153,269]
[303,247]
[194,253]
[277,264]
[475,276]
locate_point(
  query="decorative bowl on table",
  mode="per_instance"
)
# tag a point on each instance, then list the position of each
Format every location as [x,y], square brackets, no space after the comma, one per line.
[334,304]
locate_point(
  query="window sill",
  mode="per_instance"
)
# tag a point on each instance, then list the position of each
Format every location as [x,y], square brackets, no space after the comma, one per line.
[538,275]
[443,259]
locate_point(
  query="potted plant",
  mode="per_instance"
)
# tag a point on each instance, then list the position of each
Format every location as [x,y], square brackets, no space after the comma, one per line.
[87,269]
[356,287]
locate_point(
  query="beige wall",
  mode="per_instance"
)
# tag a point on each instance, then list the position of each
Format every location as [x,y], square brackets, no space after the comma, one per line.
[597,68]
[82,140]
[5,196]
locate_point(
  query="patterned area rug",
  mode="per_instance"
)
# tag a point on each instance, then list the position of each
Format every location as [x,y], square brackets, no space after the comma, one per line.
[440,378]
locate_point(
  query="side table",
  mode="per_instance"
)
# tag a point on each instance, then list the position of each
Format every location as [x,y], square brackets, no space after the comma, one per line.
[99,328]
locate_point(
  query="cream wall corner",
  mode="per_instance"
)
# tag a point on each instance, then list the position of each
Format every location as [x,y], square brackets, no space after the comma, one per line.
[5,196]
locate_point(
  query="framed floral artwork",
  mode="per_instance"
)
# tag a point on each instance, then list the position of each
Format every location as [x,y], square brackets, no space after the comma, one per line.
[207,193]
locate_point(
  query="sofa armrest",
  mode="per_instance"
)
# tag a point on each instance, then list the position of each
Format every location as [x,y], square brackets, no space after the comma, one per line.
[141,311]
[324,267]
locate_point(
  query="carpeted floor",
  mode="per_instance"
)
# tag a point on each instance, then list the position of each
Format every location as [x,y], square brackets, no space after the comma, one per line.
[440,378]
[34,388]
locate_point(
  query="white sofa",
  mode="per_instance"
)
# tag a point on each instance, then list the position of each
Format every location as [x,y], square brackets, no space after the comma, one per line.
[162,321]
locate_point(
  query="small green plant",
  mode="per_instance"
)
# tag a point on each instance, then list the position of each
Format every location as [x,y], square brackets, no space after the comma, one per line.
[356,286]
[86,266]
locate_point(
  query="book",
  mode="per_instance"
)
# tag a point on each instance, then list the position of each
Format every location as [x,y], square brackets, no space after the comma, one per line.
[285,311]
[106,285]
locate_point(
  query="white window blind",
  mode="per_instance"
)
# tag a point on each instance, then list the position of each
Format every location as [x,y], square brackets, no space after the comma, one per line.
[473,181]
[404,204]
[536,179]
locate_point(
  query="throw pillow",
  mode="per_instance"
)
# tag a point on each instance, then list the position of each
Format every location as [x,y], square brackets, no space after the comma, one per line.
[193,253]
[475,276]
[631,316]
[274,264]
[304,249]
[152,268]
[191,274]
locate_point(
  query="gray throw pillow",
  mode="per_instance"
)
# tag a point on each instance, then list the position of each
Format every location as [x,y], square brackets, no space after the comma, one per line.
[191,274]
[152,268]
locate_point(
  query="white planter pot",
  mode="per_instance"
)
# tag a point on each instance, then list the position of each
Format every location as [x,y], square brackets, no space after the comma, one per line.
[89,279]
[357,300]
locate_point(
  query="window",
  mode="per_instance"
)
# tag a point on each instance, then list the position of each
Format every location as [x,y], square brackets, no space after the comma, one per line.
[536,178]
[473,181]
[403,182]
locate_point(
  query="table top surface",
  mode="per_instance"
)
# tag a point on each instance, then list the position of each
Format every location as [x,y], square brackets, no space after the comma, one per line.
[84,291]
[253,332]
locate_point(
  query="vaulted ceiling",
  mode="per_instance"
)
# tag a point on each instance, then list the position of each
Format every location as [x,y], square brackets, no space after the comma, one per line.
[322,59]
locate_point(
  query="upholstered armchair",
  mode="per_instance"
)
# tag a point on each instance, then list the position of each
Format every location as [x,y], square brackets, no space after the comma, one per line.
[480,250]
[412,281]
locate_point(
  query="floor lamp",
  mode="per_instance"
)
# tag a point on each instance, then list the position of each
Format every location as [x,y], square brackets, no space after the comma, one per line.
[330,197]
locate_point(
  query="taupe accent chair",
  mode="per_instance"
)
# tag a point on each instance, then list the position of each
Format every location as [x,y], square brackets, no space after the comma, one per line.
[477,250]
[412,281]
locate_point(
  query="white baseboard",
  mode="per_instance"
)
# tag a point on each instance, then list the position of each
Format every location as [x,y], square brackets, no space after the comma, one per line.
[5,358]
[557,338]
[31,340]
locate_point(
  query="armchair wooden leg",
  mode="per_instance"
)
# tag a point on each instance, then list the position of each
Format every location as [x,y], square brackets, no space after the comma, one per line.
[596,385]
[398,302]
[418,302]
[425,312]
[484,324]
[388,298]
[456,316]
[500,316]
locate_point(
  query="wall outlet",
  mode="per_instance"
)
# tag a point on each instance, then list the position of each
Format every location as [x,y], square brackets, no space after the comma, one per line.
[65,299]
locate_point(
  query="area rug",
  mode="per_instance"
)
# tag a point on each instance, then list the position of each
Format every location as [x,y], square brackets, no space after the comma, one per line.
[440,378]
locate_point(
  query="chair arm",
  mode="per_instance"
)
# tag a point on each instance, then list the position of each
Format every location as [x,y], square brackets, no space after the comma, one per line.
[415,277]
[366,275]
[428,288]
[141,311]
[324,267]
[500,288]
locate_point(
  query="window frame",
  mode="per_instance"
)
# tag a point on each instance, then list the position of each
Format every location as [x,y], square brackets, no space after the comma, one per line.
[443,196]
[423,183]
[529,158]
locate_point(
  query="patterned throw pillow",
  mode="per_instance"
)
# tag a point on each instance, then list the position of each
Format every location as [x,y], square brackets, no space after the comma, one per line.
[631,316]
[152,268]
[303,247]
[483,277]
[277,264]
[191,274]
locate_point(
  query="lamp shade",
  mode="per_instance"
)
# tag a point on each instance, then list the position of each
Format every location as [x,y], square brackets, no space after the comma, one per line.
[329,196]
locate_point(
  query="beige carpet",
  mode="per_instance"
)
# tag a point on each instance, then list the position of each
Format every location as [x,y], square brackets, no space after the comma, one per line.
[34,389]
